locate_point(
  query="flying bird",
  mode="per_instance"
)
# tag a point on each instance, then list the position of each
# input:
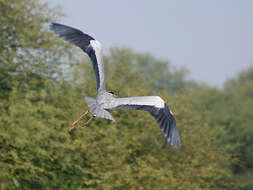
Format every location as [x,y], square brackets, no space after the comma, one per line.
[107,100]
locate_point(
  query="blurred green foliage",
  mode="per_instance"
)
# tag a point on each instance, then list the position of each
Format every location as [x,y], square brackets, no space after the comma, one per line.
[42,80]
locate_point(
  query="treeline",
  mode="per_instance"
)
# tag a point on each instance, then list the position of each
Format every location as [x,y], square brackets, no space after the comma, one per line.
[42,80]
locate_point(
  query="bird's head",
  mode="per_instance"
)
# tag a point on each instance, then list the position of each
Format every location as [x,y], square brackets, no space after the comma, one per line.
[113,94]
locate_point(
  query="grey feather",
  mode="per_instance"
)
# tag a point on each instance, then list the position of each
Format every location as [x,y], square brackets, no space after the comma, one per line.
[83,41]
[97,110]
[72,35]
[163,115]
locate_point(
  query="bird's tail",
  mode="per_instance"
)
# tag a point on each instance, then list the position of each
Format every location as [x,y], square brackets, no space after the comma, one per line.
[96,110]
[91,102]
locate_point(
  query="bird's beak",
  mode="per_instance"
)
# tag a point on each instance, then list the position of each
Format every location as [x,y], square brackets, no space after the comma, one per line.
[116,96]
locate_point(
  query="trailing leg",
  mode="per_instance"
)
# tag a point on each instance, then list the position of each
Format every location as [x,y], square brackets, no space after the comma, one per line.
[76,121]
[89,121]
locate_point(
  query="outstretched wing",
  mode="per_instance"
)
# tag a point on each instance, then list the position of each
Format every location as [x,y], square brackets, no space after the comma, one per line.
[158,109]
[88,44]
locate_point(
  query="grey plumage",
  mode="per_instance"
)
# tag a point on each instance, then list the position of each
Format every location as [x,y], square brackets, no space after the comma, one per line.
[158,109]
[97,110]
[106,100]
[83,41]
[72,35]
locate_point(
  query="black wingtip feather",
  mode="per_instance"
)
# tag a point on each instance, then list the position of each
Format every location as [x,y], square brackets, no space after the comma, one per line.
[172,134]
[168,127]
[174,138]
[72,35]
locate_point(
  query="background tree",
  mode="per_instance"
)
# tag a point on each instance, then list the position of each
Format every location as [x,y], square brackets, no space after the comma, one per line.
[231,109]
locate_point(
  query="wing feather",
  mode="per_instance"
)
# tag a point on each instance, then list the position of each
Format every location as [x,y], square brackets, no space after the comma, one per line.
[158,109]
[88,44]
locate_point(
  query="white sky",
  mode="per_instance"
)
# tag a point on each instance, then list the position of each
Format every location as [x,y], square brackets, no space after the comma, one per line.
[212,38]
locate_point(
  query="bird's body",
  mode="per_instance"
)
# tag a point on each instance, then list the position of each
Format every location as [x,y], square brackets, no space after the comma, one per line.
[106,100]
[99,107]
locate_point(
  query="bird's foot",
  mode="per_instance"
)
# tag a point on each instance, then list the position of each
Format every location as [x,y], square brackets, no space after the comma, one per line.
[73,125]
[89,121]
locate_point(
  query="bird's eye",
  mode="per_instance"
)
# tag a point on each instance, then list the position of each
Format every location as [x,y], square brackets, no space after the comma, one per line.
[111,92]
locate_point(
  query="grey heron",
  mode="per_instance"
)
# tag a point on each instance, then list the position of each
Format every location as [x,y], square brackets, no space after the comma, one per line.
[106,100]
